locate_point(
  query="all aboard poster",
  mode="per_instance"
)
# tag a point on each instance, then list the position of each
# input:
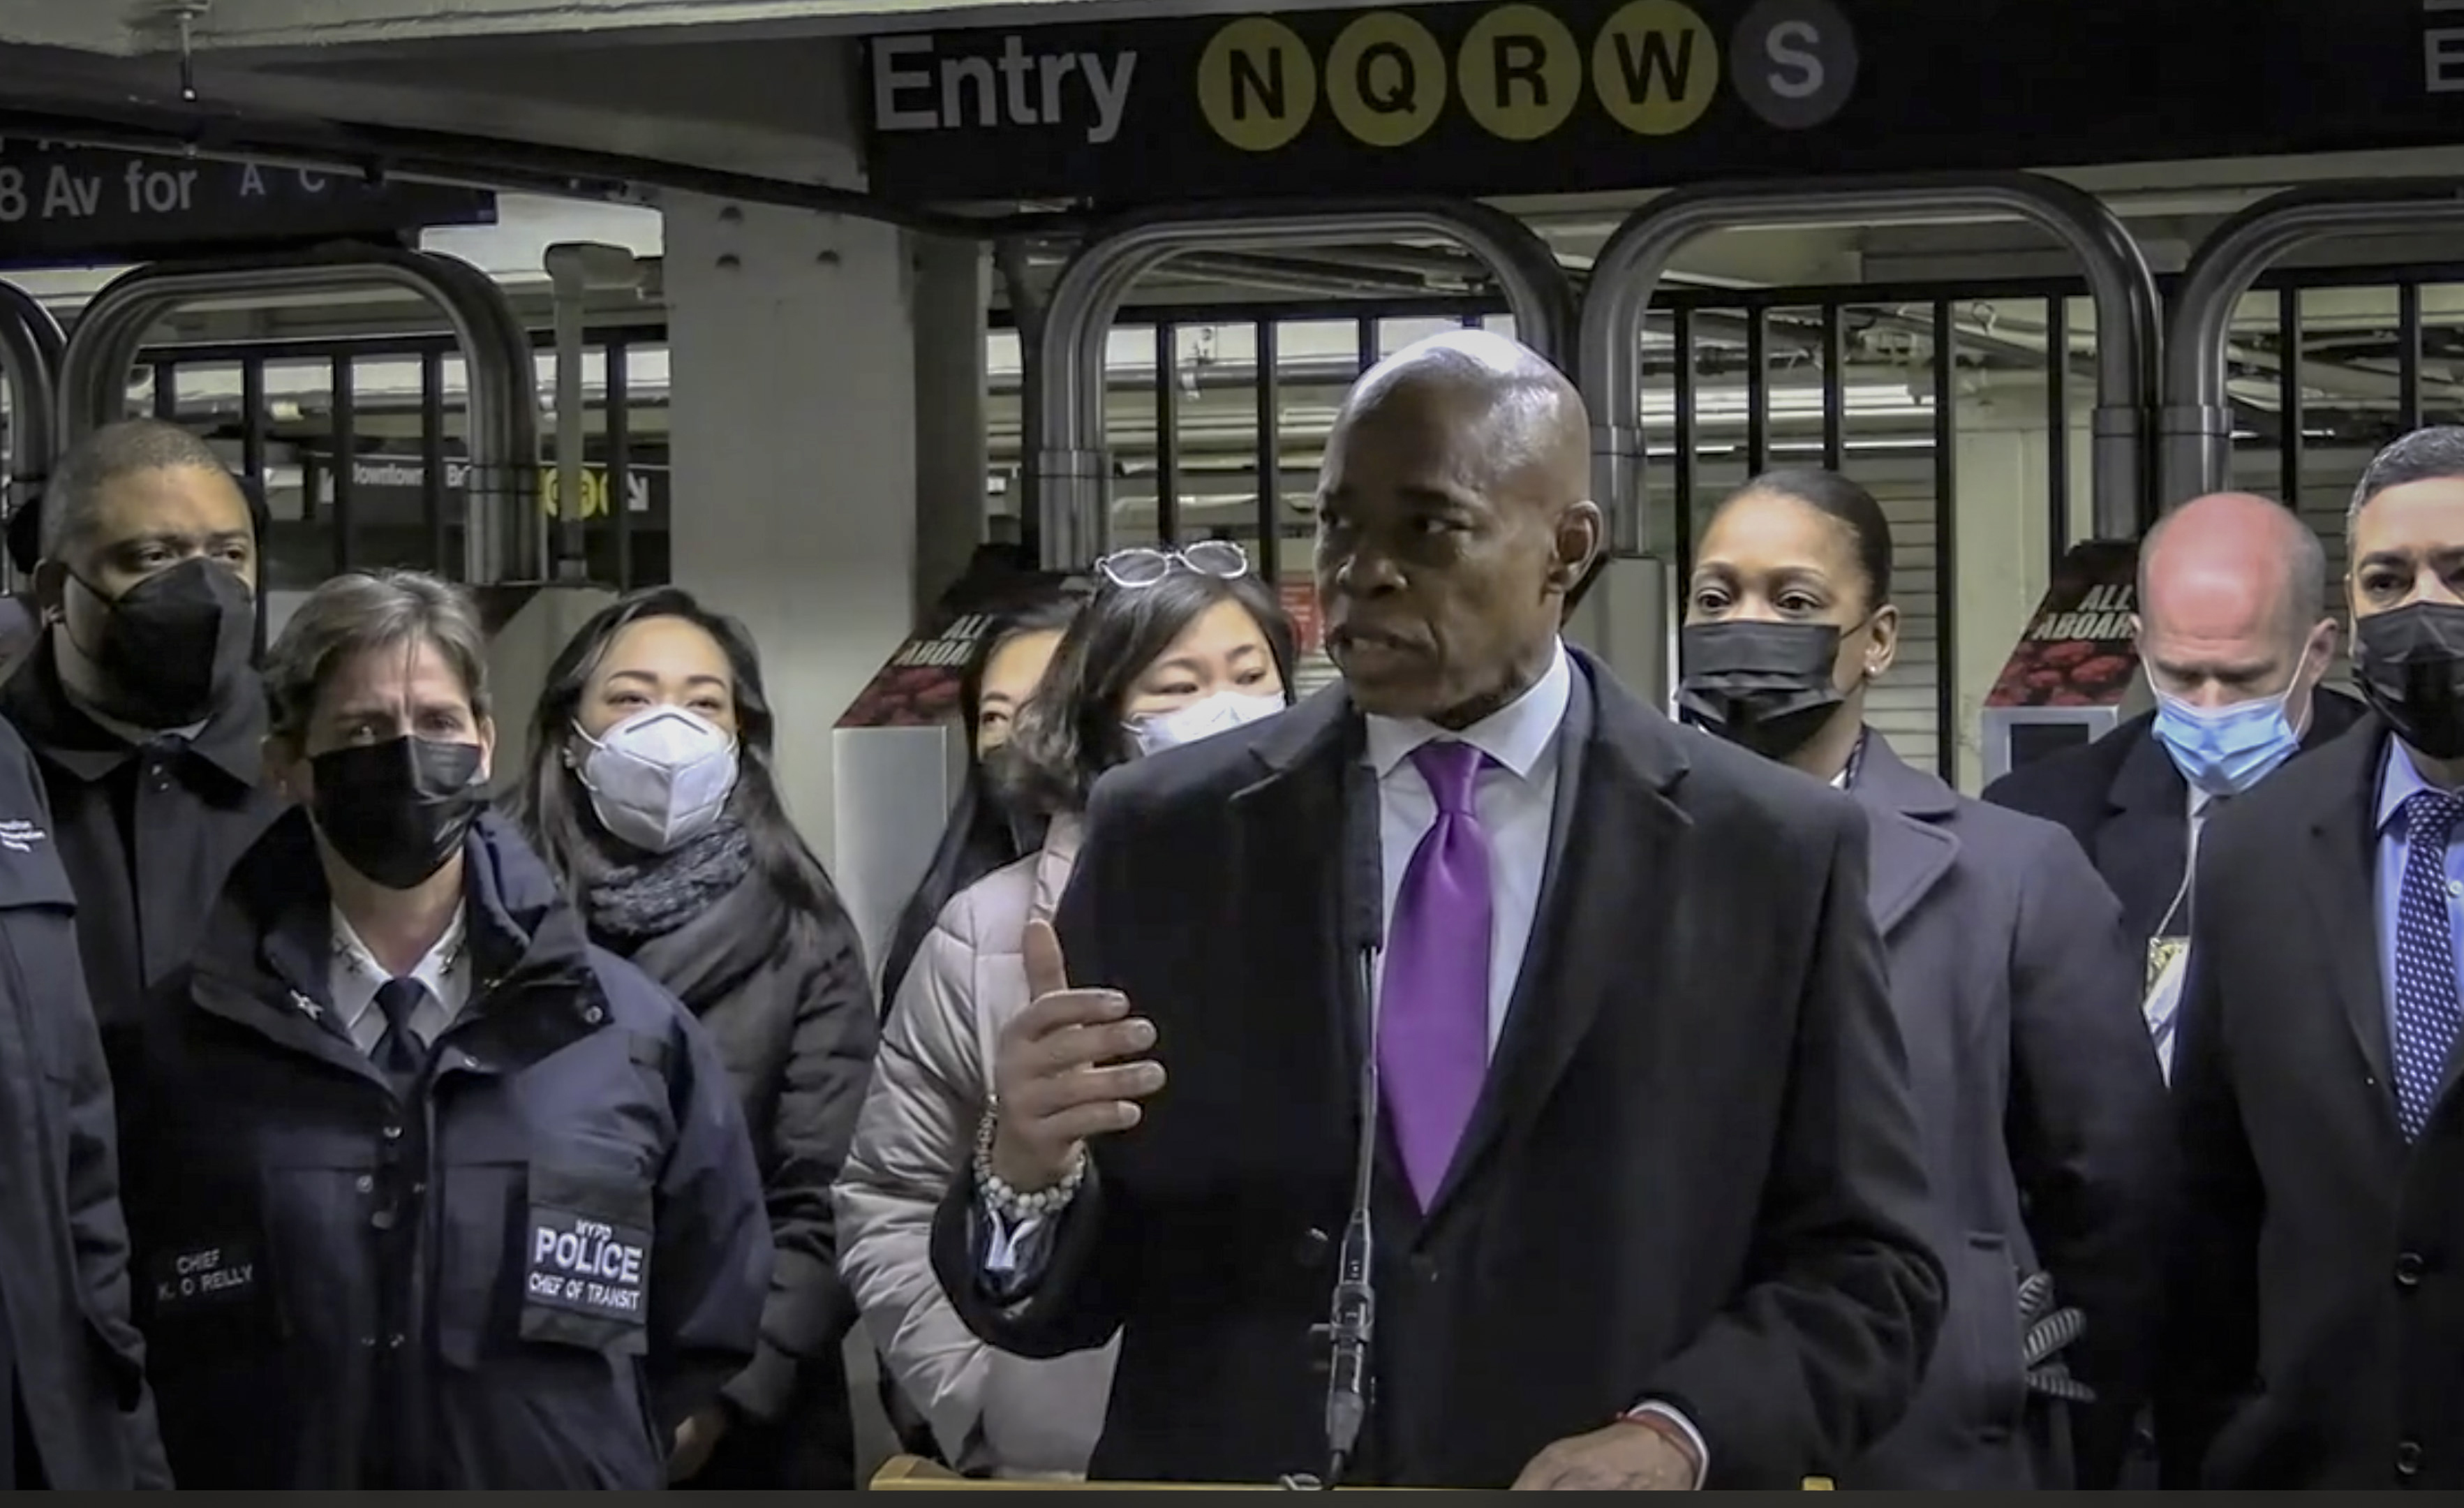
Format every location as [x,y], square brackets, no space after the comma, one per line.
[918,686]
[2077,650]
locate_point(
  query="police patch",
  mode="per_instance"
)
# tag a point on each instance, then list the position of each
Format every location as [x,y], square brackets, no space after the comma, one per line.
[586,1258]
[587,1266]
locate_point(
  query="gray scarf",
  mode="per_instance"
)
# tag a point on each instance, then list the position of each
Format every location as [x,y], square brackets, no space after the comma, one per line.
[655,895]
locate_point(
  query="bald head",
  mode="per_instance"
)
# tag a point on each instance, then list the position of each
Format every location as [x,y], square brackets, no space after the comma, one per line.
[1454,514]
[1528,423]
[2232,599]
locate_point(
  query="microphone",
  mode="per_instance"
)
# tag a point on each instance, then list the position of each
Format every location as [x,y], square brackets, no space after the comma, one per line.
[1355,1313]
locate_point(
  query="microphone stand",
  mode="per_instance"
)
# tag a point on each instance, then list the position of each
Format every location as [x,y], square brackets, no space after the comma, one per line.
[1353,1317]
[1356,1296]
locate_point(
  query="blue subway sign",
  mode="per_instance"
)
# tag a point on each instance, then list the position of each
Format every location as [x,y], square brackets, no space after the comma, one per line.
[72,204]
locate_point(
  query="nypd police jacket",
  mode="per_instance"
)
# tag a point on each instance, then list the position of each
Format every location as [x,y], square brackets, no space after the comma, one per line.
[522,1271]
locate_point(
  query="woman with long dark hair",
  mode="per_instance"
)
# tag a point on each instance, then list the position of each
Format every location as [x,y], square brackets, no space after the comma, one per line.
[1175,646]
[983,833]
[652,796]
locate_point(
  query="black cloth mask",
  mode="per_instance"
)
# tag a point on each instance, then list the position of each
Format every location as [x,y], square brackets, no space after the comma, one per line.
[2410,667]
[171,643]
[1009,787]
[397,810]
[1766,686]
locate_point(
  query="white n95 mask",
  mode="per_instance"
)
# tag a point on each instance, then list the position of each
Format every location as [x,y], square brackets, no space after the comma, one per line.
[659,777]
[1202,719]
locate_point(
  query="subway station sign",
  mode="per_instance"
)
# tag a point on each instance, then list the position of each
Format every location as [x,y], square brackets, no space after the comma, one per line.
[391,491]
[65,204]
[1579,95]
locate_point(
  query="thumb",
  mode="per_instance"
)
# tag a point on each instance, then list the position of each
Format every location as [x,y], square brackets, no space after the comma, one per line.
[1047,974]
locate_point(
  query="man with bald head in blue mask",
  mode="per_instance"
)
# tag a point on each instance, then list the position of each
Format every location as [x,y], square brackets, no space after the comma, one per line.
[2234,639]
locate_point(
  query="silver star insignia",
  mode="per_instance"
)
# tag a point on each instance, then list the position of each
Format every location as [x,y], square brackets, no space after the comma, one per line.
[307,1007]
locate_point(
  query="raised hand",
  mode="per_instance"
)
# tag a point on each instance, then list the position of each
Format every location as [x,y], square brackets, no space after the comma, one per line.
[1068,1067]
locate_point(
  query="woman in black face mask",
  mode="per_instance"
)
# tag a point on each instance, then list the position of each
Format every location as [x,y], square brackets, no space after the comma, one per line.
[2017,995]
[988,826]
[423,1191]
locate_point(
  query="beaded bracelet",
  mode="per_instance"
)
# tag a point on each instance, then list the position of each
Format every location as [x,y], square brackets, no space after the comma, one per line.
[1015,1206]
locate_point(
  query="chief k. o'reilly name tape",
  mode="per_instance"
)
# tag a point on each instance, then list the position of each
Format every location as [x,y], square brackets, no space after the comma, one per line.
[193,1276]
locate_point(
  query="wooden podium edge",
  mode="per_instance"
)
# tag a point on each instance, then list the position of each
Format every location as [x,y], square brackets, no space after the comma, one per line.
[914,1474]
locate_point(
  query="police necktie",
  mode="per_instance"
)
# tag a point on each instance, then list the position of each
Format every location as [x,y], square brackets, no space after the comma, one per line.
[1433,1004]
[2426,1010]
[400,1054]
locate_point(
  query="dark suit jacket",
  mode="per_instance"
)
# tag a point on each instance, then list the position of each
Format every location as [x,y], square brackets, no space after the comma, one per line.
[2123,799]
[64,1274]
[2044,1120]
[2319,1304]
[1694,1175]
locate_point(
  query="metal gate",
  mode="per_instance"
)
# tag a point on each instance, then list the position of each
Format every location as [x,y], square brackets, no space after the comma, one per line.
[30,346]
[358,444]
[504,536]
[1215,417]
[1071,471]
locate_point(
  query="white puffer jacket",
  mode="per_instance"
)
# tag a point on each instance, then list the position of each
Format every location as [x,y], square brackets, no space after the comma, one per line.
[991,1412]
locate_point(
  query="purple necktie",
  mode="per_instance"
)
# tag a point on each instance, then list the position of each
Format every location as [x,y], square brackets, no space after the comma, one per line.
[1433,1005]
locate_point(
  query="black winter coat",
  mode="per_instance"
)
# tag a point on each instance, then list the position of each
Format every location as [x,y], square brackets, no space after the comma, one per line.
[523,1272]
[792,1013]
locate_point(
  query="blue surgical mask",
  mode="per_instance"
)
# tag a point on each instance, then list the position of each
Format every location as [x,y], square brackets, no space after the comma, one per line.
[2224,751]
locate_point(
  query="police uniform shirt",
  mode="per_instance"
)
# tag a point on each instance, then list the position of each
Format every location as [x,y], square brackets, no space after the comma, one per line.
[137,737]
[148,824]
[356,976]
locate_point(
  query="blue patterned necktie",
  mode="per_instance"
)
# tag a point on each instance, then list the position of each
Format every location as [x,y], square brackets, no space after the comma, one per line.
[2427,1014]
[400,1054]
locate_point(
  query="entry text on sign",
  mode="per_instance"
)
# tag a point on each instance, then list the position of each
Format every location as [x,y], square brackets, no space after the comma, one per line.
[1015,88]
[2442,46]
[1519,72]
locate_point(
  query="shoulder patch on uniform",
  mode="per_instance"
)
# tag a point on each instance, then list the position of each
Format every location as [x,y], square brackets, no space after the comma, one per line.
[19,835]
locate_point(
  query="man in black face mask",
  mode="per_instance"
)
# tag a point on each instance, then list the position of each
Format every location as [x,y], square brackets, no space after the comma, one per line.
[138,701]
[2315,1067]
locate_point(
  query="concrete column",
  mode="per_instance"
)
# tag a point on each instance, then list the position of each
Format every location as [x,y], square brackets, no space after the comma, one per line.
[953,289]
[1629,620]
[2000,565]
[793,437]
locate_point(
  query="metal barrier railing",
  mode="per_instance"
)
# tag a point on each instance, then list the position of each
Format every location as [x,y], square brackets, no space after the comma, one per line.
[392,405]
[30,346]
[1628,270]
[504,538]
[2197,422]
[1070,465]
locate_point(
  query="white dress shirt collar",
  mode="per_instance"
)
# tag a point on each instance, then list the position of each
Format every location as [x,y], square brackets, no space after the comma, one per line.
[357,975]
[1518,736]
